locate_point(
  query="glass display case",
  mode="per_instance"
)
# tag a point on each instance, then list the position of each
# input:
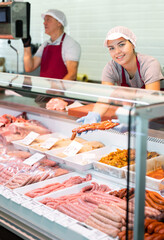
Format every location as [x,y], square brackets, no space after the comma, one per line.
[140,114]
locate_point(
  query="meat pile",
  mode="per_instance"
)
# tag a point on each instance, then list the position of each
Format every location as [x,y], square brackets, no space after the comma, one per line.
[14,173]
[154,230]
[56,104]
[152,199]
[16,128]
[95,207]
[58,186]
[105,125]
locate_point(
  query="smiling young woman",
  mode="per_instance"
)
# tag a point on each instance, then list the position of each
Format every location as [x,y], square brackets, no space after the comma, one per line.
[127,67]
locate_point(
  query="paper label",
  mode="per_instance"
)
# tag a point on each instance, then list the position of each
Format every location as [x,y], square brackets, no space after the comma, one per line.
[73,148]
[34,158]
[7,193]
[2,188]
[88,231]
[29,138]
[46,211]
[67,221]
[82,229]
[96,234]
[31,204]
[38,211]
[58,216]
[16,199]
[49,143]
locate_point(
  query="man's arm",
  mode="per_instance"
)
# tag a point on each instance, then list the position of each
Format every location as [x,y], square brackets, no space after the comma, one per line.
[30,63]
[72,67]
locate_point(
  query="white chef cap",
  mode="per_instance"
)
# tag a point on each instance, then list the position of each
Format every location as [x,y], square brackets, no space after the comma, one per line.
[118,32]
[57,14]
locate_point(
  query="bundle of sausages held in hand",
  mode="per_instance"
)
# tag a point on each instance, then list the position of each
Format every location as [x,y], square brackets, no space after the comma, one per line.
[105,125]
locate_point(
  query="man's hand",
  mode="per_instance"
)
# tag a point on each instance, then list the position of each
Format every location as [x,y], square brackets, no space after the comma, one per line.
[26,41]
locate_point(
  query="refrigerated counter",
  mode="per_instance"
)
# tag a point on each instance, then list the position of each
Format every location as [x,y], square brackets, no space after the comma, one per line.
[133,107]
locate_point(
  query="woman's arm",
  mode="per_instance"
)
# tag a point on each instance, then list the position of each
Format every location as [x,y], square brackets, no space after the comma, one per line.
[153,86]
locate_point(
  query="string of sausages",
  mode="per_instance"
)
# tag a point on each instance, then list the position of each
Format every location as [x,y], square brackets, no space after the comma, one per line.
[105,125]
[154,230]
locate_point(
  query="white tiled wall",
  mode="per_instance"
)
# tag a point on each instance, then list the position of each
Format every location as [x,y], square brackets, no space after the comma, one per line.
[88,23]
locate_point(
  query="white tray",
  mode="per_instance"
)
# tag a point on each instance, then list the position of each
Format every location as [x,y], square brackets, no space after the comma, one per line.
[17,144]
[151,164]
[84,161]
[76,189]
[59,179]
[32,148]
[105,168]
[66,191]
[53,155]
[81,161]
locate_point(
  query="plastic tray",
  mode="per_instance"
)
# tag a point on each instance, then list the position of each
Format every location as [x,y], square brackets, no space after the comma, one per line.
[107,169]
[151,165]
[33,146]
[66,191]
[53,155]
[59,179]
[84,161]
[17,144]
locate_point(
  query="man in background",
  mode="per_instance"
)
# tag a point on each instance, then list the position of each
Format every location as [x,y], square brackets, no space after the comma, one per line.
[59,56]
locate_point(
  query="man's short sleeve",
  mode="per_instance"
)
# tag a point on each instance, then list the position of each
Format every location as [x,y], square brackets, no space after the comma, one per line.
[40,50]
[71,50]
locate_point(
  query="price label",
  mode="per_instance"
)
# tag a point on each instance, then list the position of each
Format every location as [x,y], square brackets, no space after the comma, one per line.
[72,149]
[16,199]
[82,229]
[67,221]
[38,211]
[30,138]
[7,194]
[49,143]
[46,211]
[58,216]
[96,234]
[2,188]
[34,158]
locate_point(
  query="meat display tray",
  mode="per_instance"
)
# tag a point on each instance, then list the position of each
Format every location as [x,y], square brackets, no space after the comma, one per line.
[59,179]
[18,144]
[151,164]
[105,168]
[81,162]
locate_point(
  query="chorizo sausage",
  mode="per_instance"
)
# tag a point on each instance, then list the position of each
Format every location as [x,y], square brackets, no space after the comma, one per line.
[151,226]
[153,204]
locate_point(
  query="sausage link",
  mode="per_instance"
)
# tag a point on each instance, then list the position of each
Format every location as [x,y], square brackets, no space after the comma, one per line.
[113,216]
[151,226]
[106,220]
[155,199]
[158,228]
[110,230]
[153,204]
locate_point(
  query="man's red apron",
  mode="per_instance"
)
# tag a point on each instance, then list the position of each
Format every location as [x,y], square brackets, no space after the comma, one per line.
[52,64]
[124,84]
